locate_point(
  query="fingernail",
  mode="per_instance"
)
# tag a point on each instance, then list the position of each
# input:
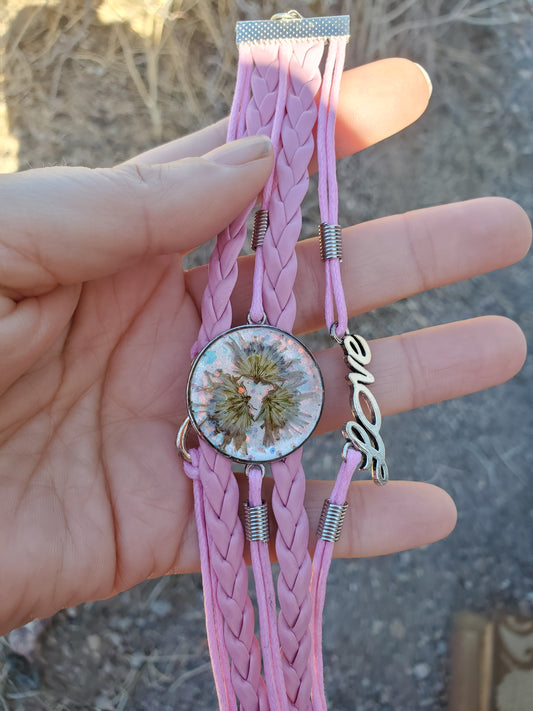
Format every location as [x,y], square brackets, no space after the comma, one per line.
[242,151]
[426,77]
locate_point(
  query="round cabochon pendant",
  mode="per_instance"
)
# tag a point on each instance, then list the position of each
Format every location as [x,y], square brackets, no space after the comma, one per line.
[255,393]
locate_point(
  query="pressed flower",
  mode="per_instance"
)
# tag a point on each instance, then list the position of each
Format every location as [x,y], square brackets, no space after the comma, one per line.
[229,409]
[255,392]
[257,360]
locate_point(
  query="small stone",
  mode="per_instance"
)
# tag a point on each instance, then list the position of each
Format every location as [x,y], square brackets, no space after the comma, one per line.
[421,671]
[442,647]
[21,675]
[377,626]
[137,659]
[115,639]
[161,608]
[25,641]
[94,642]
[104,703]
[123,623]
[397,629]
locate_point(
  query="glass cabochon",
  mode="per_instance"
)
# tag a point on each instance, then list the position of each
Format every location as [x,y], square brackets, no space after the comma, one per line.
[255,393]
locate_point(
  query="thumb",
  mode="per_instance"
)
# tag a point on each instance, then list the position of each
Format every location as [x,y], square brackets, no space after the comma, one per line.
[67,225]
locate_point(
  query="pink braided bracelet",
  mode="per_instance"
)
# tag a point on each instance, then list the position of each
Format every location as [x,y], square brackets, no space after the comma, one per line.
[255,393]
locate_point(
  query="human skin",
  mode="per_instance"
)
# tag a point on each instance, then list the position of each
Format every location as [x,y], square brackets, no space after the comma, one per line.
[97,318]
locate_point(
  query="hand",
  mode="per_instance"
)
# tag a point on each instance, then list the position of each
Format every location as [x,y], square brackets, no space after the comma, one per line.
[97,318]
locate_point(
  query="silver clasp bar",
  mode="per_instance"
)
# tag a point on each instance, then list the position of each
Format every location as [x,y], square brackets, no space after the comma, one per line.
[292,26]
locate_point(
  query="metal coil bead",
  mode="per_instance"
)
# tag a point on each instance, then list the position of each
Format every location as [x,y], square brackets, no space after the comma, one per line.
[330,241]
[260,228]
[331,520]
[256,526]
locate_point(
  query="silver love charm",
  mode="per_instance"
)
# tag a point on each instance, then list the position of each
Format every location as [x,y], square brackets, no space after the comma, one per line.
[363,432]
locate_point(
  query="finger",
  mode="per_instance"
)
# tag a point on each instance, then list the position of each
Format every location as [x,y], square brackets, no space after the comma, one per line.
[379,100]
[376,101]
[379,520]
[382,520]
[66,225]
[190,146]
[394,257]
[427,366]
[29,329]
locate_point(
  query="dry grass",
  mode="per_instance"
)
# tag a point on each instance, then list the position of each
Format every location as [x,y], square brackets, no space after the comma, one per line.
[179,56]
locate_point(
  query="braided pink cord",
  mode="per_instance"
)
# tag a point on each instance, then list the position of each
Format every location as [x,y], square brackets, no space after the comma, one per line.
[284,54]
[265,115]
[292,180]
[321,565]
[226,548]
[292,538]
[213,616]
[223,270]
[219,521]
[294,578]
[219,487]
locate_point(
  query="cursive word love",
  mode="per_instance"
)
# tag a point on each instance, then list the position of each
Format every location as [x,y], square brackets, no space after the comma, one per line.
[363,430]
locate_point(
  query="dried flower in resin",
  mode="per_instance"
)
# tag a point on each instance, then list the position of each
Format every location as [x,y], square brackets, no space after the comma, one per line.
[255,393]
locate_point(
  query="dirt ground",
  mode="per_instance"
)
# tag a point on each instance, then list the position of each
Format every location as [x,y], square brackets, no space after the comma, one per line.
[93,83]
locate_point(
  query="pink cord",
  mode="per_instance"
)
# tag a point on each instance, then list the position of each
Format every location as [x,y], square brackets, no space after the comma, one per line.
[217,515]
[226,550]
[215,637]
[294,578]
[286,111]
[292,180]
[213,614]
[327,179]
[256,309]
[321,565]
[334,299]
[259,70]
[265,115]
[223,270]
[291,185]
[266,605]
[264,584]
[241,96]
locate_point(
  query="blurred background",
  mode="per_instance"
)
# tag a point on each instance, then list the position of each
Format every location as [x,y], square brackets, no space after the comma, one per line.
[92,83]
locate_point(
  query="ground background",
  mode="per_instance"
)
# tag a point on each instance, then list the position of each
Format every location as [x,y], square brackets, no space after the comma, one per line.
[94,82]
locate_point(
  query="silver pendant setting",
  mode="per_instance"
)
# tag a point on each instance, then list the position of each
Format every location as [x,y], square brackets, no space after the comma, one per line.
[255,393]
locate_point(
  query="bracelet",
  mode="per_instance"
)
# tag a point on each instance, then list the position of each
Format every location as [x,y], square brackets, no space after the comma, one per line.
[255,392]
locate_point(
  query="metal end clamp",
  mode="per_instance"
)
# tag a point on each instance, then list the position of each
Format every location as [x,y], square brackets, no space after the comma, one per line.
[292,26]
[260,228]
[330,241]
[256,527]
[331,520]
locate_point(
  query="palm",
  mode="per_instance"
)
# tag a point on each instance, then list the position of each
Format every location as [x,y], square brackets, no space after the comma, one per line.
[102,502]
